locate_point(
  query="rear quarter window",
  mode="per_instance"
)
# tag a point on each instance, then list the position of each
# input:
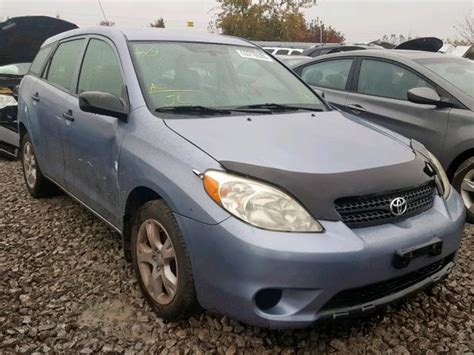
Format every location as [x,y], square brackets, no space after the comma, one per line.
[40,59]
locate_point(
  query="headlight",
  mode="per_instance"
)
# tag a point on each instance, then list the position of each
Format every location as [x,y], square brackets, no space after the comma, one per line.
[258,204]
[443,182]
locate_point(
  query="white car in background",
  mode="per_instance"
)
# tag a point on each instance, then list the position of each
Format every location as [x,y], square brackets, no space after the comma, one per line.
[283,51]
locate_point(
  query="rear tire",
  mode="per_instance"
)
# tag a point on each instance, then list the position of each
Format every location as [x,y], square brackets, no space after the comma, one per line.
[463,182]
[38,186]
[161,262]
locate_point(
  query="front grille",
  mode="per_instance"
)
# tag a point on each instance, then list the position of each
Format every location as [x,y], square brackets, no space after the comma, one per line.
[374,209]
[369,293]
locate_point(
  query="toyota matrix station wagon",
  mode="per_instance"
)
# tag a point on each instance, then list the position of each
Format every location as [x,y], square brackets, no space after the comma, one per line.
[235,187]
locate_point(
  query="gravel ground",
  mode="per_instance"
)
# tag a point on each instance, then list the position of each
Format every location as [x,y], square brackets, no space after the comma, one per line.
[65,287]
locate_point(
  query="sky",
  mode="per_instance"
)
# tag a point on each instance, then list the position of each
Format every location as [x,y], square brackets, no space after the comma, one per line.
[359,20]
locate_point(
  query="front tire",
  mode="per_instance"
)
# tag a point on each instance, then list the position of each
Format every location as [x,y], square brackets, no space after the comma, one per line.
[463,182]
[161,262]
[38,186]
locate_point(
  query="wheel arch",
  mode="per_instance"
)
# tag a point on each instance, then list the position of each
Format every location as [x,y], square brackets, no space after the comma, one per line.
[137,197]
[458,161]
[22,130]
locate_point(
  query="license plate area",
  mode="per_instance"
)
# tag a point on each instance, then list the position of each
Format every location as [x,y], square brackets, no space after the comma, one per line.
[403,257]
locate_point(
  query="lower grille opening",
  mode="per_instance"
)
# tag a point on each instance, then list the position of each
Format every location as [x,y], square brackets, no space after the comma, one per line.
[372,292]
[8,148]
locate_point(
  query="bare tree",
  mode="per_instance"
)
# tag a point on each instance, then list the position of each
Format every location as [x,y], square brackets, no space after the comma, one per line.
[465,31]
[159,23]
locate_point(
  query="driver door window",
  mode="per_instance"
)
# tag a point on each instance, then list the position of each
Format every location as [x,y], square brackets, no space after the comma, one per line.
[385,79]
[100,69]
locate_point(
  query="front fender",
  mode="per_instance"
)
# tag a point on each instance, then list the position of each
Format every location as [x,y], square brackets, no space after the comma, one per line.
[155,157]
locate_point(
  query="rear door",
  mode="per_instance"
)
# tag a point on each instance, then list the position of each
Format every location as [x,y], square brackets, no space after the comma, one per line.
[92,142]
[329,76]
[50,96]
[28,107]
[379,94]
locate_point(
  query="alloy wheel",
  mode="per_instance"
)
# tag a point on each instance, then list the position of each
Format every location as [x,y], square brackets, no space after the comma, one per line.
[157,262]
[29,165]
[467,189]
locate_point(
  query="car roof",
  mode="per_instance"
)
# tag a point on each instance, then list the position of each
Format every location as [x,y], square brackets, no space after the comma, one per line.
[153,34]
[388,53]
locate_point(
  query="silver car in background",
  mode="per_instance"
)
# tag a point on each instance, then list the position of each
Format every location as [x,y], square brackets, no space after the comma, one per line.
[422,95]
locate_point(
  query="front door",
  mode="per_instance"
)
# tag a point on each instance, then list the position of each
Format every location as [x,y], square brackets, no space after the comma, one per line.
[92,142]
[381,97]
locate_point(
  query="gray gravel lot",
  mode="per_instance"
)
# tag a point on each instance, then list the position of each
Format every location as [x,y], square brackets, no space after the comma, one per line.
[65,287]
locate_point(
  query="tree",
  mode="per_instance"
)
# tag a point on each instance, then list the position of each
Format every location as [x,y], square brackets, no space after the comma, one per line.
[159,23]
[107,23]
[319,32]
[270,20]
[465,32]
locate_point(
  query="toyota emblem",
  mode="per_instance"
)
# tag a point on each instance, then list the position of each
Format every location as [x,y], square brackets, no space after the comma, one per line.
[398,206]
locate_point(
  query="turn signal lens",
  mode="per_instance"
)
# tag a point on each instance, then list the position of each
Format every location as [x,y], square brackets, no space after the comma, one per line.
[212,188]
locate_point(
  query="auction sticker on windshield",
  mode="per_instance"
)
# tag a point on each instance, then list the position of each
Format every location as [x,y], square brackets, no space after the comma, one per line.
[254,54]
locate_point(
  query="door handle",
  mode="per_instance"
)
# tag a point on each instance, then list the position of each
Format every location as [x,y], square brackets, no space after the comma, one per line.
[35,97]
[68,115]
[356,107]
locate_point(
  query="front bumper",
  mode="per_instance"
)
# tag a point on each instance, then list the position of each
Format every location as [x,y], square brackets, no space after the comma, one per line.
[233,262]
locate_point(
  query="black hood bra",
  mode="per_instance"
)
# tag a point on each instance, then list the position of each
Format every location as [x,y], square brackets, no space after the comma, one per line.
[318,192]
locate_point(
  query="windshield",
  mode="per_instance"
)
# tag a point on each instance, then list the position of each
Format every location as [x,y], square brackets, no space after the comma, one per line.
[458,71]
[18,69]
[215,76]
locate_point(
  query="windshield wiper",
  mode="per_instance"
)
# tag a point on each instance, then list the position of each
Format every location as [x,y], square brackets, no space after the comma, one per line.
[192,109]
[279,107]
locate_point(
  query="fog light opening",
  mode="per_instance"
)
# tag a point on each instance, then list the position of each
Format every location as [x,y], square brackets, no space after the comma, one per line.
[268,298]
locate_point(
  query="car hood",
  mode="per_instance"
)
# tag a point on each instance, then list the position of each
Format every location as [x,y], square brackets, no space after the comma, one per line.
[427,44]
[326,143]
[21,37]
[318,157]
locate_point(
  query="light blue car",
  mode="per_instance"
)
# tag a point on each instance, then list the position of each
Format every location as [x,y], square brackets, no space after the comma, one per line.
[234,186]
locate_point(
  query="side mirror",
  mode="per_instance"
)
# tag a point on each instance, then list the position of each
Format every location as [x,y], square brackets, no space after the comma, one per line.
[427,96]
[102,103]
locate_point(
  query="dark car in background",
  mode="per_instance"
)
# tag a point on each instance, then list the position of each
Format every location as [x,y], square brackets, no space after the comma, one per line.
[422,95]
[292,60]
[10,77]
[330,48]
[20,39]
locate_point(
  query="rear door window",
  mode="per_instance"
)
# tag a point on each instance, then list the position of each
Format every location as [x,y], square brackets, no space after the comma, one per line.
[62,66]
[332,74]
[387,80]
[100,69]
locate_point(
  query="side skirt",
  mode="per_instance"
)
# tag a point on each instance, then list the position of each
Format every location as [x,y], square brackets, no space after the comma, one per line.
[117,229]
